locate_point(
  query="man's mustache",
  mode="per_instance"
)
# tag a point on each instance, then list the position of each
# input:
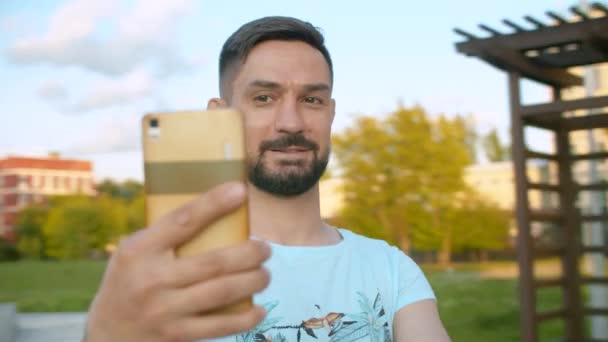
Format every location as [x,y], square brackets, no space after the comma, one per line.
[289,140]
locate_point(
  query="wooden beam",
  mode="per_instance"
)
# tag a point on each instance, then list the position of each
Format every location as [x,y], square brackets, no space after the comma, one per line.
[465,34]
[595,249]
[549,252]
[539,155]
[545,215]
[551,282]
[525,247]
[571,233]
[513,25]
[489,30]
[558,107]
[594,218]
[556,17]
[593,187]
[554,35]
[578,12]
[588,156]
[586,122]
[508,59]
[534,21]
[543,316]
[543,187]
[594,280]
[599,7]
[596,312]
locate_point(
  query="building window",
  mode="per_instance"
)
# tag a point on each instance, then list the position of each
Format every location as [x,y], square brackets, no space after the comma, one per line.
[56,182]
[10,181]
[10,200]
[67,183]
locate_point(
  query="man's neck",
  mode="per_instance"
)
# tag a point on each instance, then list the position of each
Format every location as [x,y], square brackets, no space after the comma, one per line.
[291,221]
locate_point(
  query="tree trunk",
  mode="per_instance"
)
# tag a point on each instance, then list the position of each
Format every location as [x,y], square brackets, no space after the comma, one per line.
[483,255]
[445,253]
[399,233]
[473,256]
[404,243]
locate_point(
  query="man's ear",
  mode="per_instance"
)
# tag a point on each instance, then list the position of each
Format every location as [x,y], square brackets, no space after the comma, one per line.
[216,103]
[333,110]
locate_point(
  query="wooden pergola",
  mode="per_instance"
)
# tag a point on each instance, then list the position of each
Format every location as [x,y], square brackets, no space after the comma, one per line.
[546,55]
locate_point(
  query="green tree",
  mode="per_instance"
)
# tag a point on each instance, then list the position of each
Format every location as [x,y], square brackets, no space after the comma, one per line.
[403,181]
[136,215]
[78,227]
[127,190]
[31,241]
[400,171]
[471,135]
[494,149]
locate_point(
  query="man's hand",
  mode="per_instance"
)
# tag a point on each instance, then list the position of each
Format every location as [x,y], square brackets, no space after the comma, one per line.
[148,294]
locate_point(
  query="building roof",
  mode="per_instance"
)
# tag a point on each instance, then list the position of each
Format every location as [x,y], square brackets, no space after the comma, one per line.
[545,52]
[45,164]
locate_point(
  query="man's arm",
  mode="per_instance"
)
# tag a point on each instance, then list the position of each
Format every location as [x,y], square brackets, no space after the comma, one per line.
[148,294]
[419,322]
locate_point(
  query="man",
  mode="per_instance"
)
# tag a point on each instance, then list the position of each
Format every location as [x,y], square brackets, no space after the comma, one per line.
[328,284]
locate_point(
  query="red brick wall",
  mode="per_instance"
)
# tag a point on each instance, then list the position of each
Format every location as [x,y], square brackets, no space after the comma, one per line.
[10,200]
[10,181]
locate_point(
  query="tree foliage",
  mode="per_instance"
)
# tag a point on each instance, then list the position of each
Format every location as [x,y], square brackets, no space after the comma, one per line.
[494,149]
[403,182]
[72,227]
[32,242]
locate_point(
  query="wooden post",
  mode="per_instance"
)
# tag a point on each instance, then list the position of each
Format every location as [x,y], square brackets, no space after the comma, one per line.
[527,295]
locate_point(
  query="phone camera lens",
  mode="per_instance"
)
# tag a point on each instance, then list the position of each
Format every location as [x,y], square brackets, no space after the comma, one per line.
[153,123]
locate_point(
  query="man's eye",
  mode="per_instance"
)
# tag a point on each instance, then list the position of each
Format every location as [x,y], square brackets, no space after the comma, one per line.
[262,98]
[312,99]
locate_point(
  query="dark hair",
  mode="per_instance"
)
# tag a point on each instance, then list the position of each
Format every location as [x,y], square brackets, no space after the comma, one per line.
[238,46]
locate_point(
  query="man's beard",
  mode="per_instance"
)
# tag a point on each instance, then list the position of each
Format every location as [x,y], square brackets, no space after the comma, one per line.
[301,176]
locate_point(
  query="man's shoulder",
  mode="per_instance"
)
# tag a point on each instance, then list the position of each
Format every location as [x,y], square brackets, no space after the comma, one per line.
[376,247]
[363,242]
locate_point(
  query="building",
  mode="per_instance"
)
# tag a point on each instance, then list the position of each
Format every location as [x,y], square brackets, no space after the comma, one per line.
[496,182]
[25,181]
[331,197]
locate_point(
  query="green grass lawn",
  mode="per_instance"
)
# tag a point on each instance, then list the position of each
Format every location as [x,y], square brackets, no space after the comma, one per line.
[472,308]
[50,286]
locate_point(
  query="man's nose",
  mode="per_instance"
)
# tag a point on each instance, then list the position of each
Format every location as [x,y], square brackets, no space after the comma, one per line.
[289,118]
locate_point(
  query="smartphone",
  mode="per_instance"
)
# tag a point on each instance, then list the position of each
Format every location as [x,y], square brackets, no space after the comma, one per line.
[187,153]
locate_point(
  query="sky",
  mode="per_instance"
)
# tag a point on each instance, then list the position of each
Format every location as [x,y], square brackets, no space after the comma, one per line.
[77,76]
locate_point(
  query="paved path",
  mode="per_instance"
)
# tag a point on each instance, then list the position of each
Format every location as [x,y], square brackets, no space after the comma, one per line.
[50,327]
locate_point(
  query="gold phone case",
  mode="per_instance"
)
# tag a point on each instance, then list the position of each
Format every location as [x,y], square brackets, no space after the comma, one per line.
[187,153]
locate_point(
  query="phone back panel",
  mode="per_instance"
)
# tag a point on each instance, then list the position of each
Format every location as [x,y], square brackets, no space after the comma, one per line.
[187,153]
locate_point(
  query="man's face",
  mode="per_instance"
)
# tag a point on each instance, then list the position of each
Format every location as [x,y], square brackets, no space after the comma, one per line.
[284,90]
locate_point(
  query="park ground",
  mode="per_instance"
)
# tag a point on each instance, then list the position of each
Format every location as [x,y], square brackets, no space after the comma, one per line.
[477,301]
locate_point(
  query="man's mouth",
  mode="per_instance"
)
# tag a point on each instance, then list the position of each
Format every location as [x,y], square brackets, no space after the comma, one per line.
[291,149]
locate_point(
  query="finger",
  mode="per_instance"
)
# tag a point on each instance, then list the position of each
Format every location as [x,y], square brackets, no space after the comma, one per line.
[218,292]
[184,223]
[215,325]
[246,256]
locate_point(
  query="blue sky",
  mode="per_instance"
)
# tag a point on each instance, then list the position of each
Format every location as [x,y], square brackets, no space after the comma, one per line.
[78,75]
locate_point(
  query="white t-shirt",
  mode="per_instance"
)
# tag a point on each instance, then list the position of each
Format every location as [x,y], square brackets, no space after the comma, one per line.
[340,293]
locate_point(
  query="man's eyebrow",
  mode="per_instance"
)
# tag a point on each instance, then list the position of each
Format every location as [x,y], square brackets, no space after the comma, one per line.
[263,84]
[316,87]
[310,87]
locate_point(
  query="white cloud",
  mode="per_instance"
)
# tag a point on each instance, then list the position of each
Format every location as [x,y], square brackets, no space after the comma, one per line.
[52,91]
[143,34]
[111,92]
[110,136]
